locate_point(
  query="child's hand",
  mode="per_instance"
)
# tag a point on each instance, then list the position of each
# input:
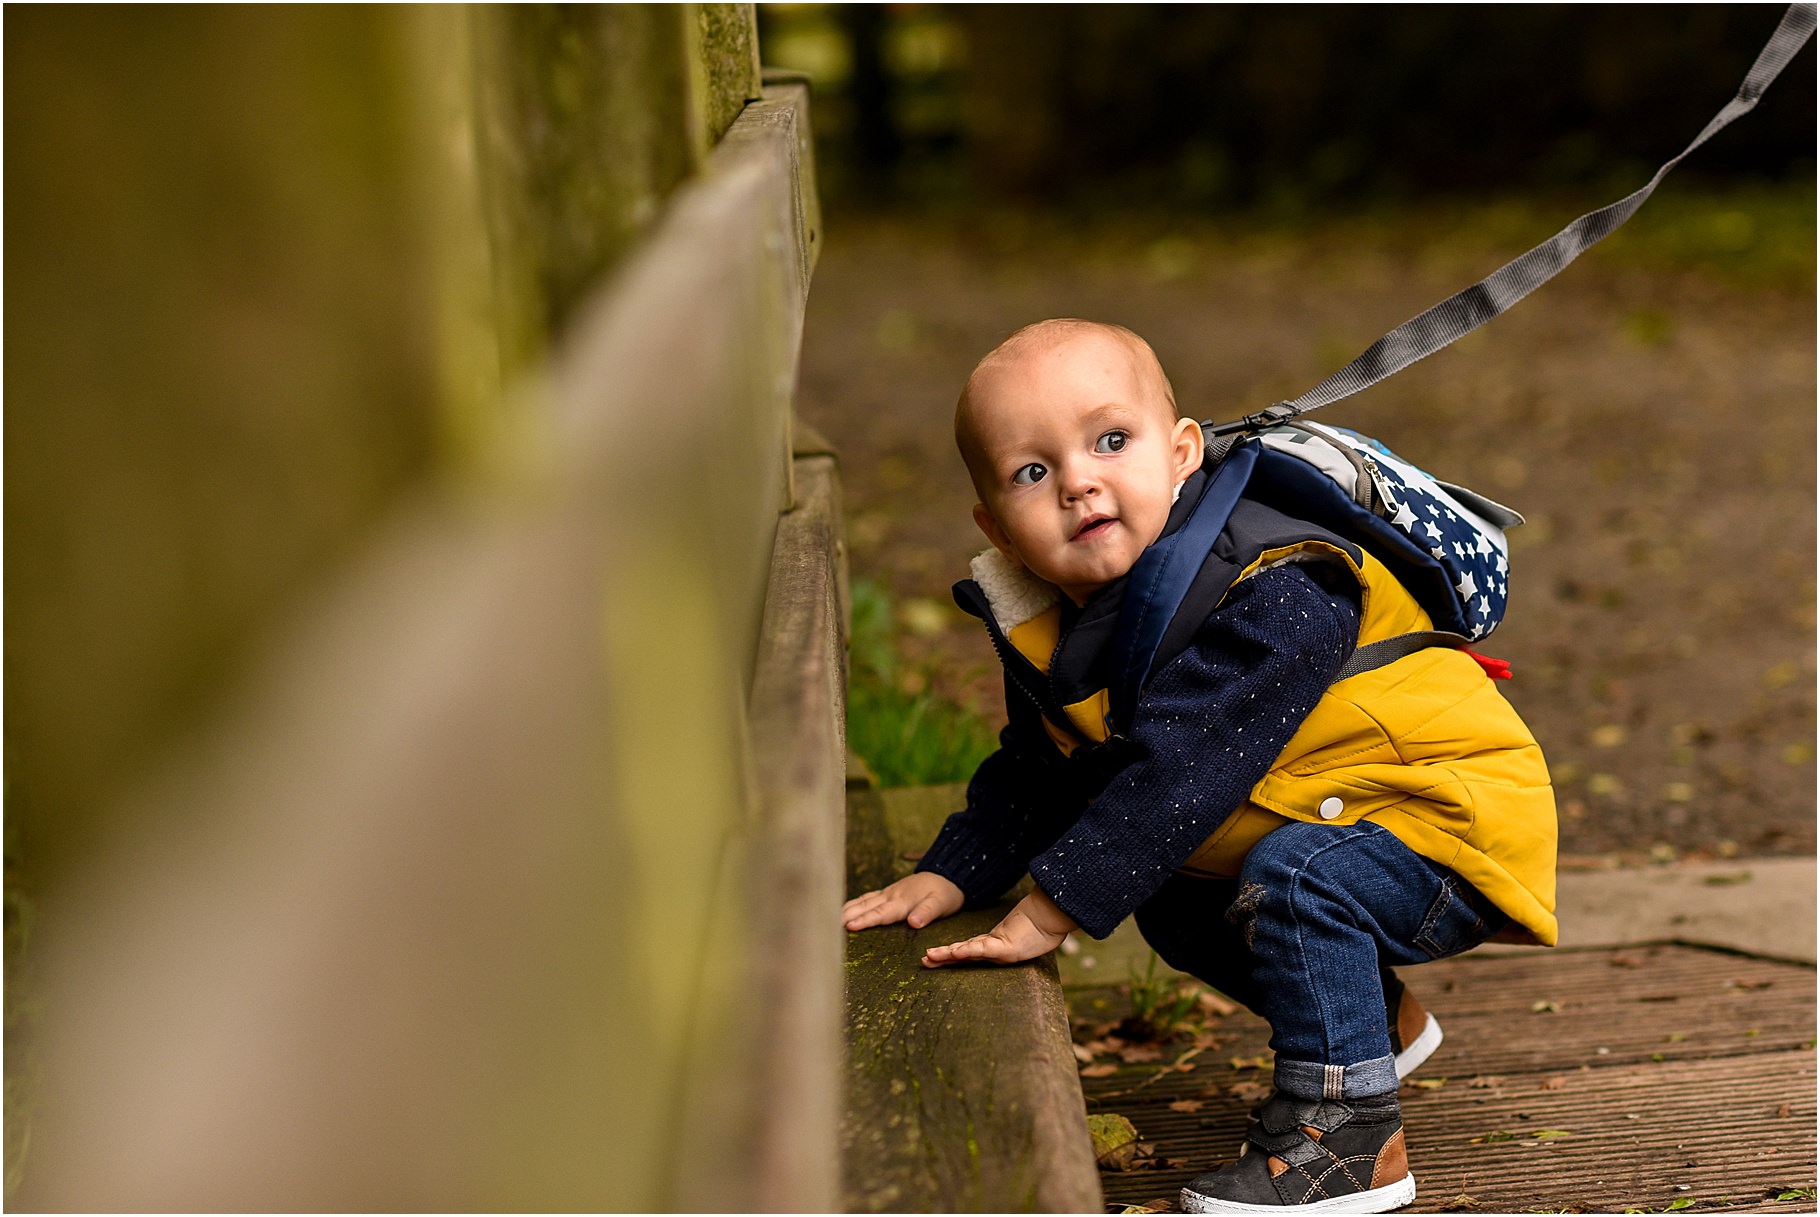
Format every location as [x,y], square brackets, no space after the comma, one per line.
[1034,926]
[917,899]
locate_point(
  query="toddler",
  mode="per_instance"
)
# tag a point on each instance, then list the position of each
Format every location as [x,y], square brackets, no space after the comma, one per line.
[1280,830]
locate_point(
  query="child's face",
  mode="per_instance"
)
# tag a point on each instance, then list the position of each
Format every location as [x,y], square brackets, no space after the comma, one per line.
[1079,457]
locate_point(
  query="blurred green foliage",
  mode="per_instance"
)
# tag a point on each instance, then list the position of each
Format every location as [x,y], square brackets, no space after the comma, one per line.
[906,733]
[1280,108]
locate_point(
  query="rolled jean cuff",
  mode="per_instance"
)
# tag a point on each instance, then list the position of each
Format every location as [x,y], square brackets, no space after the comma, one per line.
[1309,1080]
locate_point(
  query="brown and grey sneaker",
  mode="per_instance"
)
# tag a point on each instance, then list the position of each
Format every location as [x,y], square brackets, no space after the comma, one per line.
[1414,1033]
[1313,1155]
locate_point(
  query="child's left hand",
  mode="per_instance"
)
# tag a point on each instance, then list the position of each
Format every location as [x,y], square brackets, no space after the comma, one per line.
[1033,926]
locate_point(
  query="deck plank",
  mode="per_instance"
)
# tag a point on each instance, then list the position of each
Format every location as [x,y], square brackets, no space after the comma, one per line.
[1676,1073]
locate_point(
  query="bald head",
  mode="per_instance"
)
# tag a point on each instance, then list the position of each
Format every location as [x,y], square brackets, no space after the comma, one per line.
[1039,348]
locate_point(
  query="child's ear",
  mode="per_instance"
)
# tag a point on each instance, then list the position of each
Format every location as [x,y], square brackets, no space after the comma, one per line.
[982,515]
[1188,447]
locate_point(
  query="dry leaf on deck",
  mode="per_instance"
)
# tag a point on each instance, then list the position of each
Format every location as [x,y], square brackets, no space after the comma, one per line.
[1114,1140]
[1556,1082]
[1099,1071]
[1186,1105]
[1216,1005]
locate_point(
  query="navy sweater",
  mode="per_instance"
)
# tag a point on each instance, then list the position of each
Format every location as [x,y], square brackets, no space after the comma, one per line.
[1203,734]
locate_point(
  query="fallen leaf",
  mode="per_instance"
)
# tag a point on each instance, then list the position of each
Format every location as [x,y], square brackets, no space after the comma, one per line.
[1486,1081]
[1146,1148]
[1684,1202]
[1216,1005]
[1550,1134]
[1545,1007]
[1493,1137]
[1149,1206]
[1750,984]
[1251,1062]
[1556,1082]
[1249,1092]
[1726,880]
[1173,1164]
[1460,1204]
[1114,1140]
[1139,1054]
[1186,1105]
[1611,735]
[1099,1071]
[1431,1083]
[1784,1112]
[1675,1037]
[1083,1054]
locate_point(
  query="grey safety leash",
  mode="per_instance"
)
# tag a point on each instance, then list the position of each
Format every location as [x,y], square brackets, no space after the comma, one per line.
[1465,312]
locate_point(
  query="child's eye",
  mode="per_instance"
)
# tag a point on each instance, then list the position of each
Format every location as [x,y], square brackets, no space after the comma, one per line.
[1030,474]
[1112,441]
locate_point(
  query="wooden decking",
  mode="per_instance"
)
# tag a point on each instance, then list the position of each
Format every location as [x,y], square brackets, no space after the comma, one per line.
[1650,1078]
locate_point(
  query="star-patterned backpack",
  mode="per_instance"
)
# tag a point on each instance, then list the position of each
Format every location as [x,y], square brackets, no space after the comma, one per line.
[1444,542]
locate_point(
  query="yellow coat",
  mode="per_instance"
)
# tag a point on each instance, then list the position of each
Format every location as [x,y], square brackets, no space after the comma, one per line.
[1428,748]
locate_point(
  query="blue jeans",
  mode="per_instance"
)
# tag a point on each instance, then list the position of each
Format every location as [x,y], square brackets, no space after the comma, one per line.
[1305,937]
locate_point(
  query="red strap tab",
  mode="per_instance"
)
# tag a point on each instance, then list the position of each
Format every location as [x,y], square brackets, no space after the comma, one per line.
[1497,669]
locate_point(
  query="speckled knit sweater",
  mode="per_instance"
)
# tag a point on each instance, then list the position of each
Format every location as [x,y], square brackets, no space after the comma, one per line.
[1206,730]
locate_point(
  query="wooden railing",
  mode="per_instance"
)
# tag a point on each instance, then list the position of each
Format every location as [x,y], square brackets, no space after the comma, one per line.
[505,878]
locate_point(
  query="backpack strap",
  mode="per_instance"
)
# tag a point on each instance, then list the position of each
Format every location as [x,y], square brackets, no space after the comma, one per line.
[1161,577]
[1465,311]
[1386,651]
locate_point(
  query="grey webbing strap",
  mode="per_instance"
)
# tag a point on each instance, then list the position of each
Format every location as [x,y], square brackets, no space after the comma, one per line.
[1466,311]
[1388,650]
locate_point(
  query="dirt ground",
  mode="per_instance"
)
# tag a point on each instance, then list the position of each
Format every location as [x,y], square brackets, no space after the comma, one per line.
[1655,423]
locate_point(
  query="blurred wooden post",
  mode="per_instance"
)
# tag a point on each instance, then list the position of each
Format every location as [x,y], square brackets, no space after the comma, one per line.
[495,863]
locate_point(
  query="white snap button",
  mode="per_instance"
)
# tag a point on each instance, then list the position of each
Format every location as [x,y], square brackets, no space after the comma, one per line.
[1331,808]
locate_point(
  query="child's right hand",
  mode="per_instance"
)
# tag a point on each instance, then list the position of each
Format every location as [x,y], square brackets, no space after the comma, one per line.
[917,899]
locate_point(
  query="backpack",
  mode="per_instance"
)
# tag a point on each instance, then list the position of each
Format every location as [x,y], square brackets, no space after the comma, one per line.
[1444,543]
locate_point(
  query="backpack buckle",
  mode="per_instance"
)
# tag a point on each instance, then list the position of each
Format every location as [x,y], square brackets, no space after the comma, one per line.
[1270,416]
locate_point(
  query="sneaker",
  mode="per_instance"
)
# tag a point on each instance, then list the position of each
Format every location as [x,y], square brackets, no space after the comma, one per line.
[1313,1155]
[1414,1033]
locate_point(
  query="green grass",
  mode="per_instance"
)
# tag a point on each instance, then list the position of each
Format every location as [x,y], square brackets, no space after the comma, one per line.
[907,738]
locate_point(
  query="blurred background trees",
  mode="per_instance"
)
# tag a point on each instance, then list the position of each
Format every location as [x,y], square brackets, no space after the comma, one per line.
[1276,106]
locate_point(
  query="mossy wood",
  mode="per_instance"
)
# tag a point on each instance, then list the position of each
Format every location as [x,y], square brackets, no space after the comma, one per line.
[962,1091]
[495,870]
[962,1094]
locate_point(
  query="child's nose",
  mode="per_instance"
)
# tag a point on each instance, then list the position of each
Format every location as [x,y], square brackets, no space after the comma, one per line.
[1077,482]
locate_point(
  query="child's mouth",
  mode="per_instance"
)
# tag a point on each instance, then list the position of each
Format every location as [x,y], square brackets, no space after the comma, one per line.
[1094,527]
